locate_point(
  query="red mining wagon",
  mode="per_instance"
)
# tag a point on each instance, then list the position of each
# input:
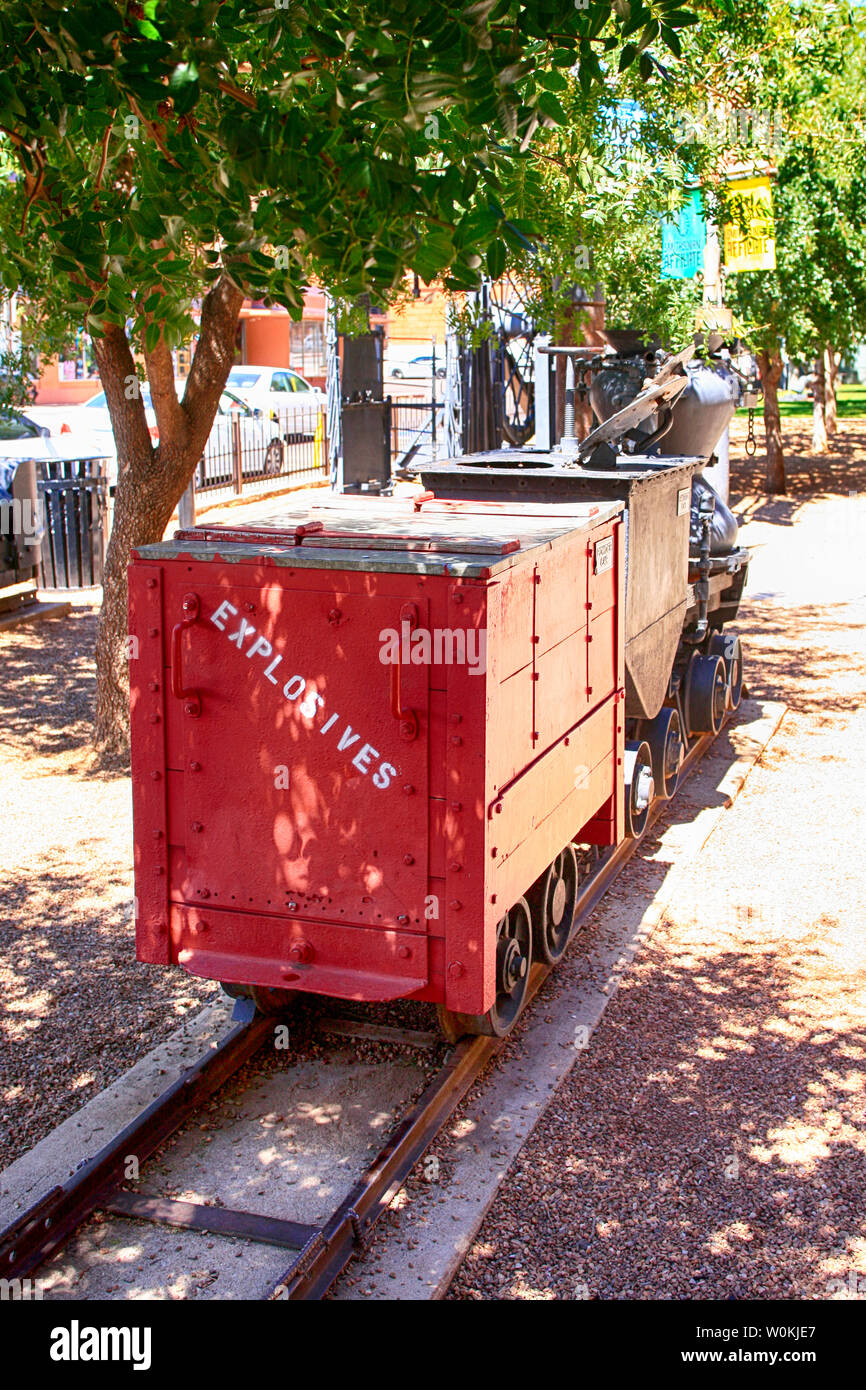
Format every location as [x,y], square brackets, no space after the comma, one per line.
[361,739]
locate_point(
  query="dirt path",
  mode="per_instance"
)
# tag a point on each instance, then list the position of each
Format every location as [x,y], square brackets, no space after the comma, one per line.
[710,1143]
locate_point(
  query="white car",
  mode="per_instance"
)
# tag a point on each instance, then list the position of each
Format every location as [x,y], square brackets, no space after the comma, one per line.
[90,424]
[270,418]
[278,392]
[419,367]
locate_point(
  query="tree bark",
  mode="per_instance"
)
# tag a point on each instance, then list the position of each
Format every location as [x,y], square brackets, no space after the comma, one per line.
[819,424]
[831,417]
[150,480]
[770,368]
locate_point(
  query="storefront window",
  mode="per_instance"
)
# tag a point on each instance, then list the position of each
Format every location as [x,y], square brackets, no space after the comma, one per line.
[80,365]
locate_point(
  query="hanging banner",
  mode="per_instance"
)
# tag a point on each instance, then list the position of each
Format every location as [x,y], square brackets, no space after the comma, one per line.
[750,236]
[683,241]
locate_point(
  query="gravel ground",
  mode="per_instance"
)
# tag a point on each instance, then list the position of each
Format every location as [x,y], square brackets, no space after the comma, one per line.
[77,1008]
[710,1143]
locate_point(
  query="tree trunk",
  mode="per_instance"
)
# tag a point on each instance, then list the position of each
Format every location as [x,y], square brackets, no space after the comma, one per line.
[831,418]
[150,480]
[819,424]
[770,368]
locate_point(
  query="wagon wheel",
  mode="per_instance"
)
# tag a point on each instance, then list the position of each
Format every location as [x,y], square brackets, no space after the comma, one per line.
[728,646]
[706,694]
[556,897]
[665,738]
[513,959]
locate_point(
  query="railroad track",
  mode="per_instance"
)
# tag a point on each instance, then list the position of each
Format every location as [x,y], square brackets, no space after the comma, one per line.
[319,1253]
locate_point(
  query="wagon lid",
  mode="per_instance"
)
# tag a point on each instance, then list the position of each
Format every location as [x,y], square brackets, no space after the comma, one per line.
[475,539]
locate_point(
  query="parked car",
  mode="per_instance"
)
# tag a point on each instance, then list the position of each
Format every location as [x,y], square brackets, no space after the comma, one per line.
[260,438]
[278,393]
[418,367]
[22,437]
[15,425]
[271,417]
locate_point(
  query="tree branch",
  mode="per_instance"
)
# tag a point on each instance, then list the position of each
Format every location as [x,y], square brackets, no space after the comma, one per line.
[129,422]
[154,130]
[213,357]
[170,418]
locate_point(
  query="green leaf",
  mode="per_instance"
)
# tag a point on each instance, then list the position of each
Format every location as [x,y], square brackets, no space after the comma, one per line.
[151,335]
[672,40]
[678,19]
[550,106]
[496,257]
[627,57]
[552,81]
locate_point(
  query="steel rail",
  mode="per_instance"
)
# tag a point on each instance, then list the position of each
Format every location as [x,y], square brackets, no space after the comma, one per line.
[327,1254]
[49,1223]
[324,1253]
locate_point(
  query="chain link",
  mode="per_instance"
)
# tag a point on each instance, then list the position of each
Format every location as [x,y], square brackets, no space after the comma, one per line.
[751,443]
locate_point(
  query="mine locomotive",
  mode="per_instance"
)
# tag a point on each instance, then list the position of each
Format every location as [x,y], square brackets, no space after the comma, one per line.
[377,742]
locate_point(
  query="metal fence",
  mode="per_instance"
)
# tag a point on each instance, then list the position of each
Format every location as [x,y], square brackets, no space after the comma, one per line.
[417,431]
[260,453]
[74,497]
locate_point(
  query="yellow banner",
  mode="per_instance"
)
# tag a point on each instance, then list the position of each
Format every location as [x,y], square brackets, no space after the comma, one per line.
[750,236]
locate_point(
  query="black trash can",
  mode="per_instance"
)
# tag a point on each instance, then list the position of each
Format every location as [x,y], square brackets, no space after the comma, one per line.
[74,497]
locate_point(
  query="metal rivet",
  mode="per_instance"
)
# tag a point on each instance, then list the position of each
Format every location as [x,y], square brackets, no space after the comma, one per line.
[153,631]
[250,607]
[151,583]
[197,827]
[195,767]
[155,776]
[293,907]
[157,834]
[404,952]
[455,904]
[456,740]
[204,892]
[154,718]
[402,919]
[456,718]
[455,866]
[153,685]
[408,859]
[409,789]
[455,970]
[335,615]
[456,805]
